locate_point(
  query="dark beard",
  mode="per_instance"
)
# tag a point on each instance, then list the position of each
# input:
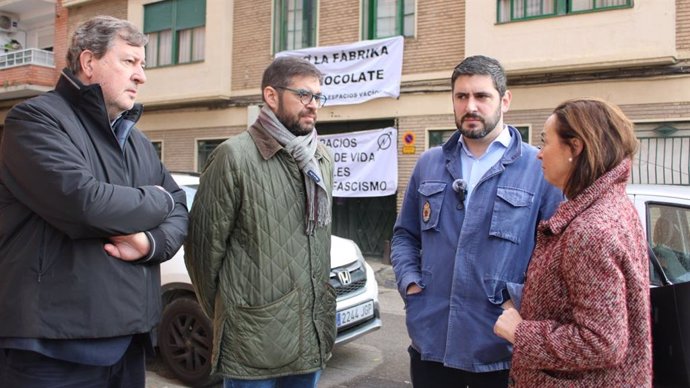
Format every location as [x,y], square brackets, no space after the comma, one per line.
[489,126]
[292,123]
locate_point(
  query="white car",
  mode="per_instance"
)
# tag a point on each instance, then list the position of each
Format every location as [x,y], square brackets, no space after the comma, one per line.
[665,214]
[185,332]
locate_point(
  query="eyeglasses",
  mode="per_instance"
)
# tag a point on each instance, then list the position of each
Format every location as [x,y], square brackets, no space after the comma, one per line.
[305,96]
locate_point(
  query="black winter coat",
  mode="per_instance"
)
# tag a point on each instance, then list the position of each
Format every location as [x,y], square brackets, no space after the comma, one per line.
[65,187]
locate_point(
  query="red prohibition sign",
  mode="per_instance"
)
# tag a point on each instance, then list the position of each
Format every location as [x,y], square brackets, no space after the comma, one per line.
[408,138]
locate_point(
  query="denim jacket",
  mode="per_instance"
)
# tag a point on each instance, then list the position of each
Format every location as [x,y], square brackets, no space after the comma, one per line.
[466,258]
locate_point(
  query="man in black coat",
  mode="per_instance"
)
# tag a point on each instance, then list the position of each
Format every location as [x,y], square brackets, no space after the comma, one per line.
[87,214]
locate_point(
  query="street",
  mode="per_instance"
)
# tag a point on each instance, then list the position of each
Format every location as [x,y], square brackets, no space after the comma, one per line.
[376,360]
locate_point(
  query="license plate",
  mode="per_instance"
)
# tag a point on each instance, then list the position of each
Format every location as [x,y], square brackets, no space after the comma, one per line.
[354,314]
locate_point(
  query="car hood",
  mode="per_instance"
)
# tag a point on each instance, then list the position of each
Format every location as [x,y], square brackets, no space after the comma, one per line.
[343,252]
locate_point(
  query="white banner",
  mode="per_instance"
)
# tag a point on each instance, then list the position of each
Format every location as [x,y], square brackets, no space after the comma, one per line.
[357,72]
[366,163]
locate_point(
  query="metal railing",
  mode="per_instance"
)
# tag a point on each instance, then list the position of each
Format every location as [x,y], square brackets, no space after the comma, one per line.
[662,160]
[27,57]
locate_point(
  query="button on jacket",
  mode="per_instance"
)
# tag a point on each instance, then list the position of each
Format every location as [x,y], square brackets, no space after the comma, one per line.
[465,258]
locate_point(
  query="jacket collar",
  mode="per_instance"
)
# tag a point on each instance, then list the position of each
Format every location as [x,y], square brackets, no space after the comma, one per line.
[513,152]
[267,145]
[89,98]
[451,151]
[614,181]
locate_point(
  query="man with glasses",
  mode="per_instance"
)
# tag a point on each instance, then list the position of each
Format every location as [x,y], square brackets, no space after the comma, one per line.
[259,243]
[465,234]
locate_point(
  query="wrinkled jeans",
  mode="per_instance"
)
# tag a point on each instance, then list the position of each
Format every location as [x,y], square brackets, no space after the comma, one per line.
[308,380]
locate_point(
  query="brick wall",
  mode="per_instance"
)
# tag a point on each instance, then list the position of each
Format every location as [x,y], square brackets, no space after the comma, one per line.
[534,118]
[418,125]
[61,40]
[437,46]
[440,41]
[33,75]
[251,43]
[338,22]
[179,146]
[83,12]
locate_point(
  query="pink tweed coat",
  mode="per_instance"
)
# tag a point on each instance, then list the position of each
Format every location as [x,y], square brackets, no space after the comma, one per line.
[586,298]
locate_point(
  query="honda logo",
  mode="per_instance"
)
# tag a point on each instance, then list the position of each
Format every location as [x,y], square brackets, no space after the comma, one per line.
[344,277]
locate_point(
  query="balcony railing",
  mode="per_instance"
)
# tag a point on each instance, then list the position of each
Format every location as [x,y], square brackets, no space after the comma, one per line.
[663,160]
[27,57]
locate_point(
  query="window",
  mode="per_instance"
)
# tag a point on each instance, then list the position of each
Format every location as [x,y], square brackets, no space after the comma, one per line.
[524,132]
[670,239]
[294,24]
[158,145]
[203,151]
[385,18]
[436,137]
[512,10]
[176,31]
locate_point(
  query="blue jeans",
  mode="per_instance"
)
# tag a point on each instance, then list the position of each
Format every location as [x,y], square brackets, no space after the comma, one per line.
[308,380]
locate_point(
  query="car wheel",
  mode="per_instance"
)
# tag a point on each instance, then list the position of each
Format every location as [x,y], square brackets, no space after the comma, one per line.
[185,340]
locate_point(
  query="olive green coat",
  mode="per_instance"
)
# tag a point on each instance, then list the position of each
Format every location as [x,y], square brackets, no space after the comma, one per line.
[255,271]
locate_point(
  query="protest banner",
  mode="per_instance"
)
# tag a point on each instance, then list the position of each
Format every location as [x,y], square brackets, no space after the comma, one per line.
[366,162]
[358,72]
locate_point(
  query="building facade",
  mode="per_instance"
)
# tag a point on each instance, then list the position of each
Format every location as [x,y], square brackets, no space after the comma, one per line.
[205,59]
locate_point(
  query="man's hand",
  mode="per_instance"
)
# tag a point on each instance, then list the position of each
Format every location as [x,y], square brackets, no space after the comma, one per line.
[413,289]
[507,324]
[128,248]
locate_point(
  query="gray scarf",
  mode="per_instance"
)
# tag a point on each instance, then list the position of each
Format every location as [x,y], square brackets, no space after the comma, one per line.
[303,149]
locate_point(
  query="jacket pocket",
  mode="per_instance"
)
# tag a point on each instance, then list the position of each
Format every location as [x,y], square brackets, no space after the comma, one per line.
[268,336]
[496,290]
[511,210]
[418,317]
[431,198]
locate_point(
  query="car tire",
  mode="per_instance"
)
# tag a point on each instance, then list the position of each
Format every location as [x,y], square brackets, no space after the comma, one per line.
[185,341]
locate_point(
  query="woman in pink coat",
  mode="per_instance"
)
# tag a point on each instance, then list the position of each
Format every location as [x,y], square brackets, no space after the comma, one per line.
[584,319]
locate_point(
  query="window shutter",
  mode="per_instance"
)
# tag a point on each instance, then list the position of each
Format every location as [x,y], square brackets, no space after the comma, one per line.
[190,14]
[157,16]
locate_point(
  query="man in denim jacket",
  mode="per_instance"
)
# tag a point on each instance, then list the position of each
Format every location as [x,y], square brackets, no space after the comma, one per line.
[465,234]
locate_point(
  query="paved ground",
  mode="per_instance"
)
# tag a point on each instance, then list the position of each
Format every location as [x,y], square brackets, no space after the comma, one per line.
[159,376]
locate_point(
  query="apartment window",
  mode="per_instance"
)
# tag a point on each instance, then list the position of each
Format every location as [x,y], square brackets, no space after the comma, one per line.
[203,151]
[158,146]
[524,132]
[513,10]
[436,137]
[294,24]
[385,18]
[176,31]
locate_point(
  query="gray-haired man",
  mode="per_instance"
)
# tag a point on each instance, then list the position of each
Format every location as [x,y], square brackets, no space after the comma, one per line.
[87,212]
